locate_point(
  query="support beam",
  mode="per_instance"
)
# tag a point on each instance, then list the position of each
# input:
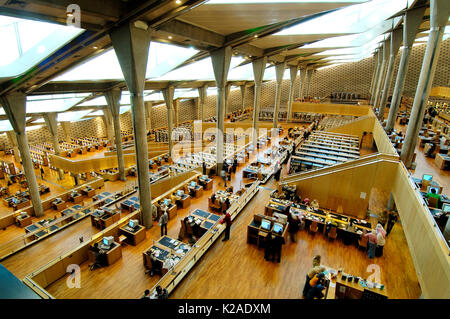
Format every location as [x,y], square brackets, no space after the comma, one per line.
[259,66]
[113,100]
[176,109]
[293,74]
[14,106]
[52,126]
[381,77]
[308,80]
[131,44]
[302,82]
[439,13]
[374,76]
[109,126]
[396,40]
[67,130]
[243,93]
[202,97]
[13,140]
[412,20]
[168,98]
[221,59]
[279,72]
[227,101]
[148,114]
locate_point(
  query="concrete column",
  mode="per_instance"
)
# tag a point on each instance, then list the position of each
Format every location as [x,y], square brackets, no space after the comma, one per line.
[148,115]
[243,92]
[308,81]
[293,74]
[411,23]
[14,106]
[439,13]
[202,96]
[221,59]
[131,43]
[227,102]
[302,83]
[374,75]
[52,126]
[113,100]
[396,40]
[67,130]
[13,140]
[391,203]
[381,77]
[379,58]
[168,97]
[279,72]
[108,121]
[176,108]
[197,107]
[259,66]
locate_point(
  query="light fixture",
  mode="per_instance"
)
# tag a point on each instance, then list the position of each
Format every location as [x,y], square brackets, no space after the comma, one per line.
[95,47]
[170,37]
[178,2]
[255,36]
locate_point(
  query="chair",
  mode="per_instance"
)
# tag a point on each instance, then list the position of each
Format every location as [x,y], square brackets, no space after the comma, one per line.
[432,202]
[314,227]
[362,242]
[332,233]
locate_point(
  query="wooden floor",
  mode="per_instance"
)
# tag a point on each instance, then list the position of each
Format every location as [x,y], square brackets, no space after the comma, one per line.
[232,269]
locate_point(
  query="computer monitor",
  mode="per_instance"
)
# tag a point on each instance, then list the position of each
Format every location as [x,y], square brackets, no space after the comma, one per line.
[265,224]
[427,177]
[262,166]
[277,228]
[180,192]
[429,188]
[193,184]
[166,202]
[133,223]
[446,208]
[107,241]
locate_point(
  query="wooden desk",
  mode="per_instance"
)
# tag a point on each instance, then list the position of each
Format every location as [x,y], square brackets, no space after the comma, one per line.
[442,160]
[198,190]
[207,184]
[134,237]
[88,193]
[343,289]
[112,255]
[59,206]
[24,221]
[76,199]
[108,219]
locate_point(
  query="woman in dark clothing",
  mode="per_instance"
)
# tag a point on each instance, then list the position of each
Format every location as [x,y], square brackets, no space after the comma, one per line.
[293,227]
[268,248]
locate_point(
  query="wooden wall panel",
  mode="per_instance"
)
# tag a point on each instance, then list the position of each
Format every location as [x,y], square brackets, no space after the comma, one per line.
[328,108]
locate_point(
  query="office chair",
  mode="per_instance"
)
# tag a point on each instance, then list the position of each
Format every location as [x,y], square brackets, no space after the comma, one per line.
[332,234]
[432,202]
[313,228]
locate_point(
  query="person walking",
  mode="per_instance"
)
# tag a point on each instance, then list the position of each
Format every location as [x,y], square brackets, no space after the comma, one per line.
[381,240]
[392,219]
[372,243]
[204,167]
[163,222]
[294,224]
[227,220]
[42,173]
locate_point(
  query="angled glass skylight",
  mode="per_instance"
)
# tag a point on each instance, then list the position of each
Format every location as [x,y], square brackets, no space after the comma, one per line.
[161,59]
[351,19]
[96,113]
[72,116]
[124,109]
[25,43]
[5,125]
[98,101]
[156,96]
[185,93]
[53,105]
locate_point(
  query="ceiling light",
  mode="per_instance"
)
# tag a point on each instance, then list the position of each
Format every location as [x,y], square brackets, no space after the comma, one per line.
[95,47]
[178,2]
[255,36]
[170,37]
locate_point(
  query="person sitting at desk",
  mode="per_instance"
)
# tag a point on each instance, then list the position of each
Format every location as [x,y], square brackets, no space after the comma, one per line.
[227,203]
[434,142]
[433,194]
[146,294]
[329,225]
[213,198]
[317,286]
[99,257]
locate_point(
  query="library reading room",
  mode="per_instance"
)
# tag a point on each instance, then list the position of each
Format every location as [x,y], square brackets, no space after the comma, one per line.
[225,149]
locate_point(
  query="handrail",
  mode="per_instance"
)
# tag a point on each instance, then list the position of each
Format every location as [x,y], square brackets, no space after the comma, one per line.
[44,294]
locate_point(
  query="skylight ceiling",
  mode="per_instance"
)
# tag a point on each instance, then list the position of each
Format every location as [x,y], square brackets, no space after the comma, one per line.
[25,43]
[54,105]
[351,19]
[162,58]
[72,116]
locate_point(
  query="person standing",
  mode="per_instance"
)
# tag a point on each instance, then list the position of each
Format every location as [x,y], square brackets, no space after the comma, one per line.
[204,167]
[372,243]
[163,222]
[293,226]
[42,173]
[277,243]
[268,247]
[392,219]
[235,163]
[223,176]
[381,240]
[227,220]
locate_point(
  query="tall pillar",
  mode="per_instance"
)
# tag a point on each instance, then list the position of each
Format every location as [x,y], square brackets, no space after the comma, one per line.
[376,58]
[279,72]
[396,40]
[13,140]
[14,106]
[380,81]
[243,92]
[168,98]
[308,80]
[52,126]
[411,23]
[221,59]
[202,96]
[302,83]
[293,74]
[439,12]
[227,102]
[148,115]
[67,130]
[176,108]
[108,121]
[259,66]
[131,43]
[113,100]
